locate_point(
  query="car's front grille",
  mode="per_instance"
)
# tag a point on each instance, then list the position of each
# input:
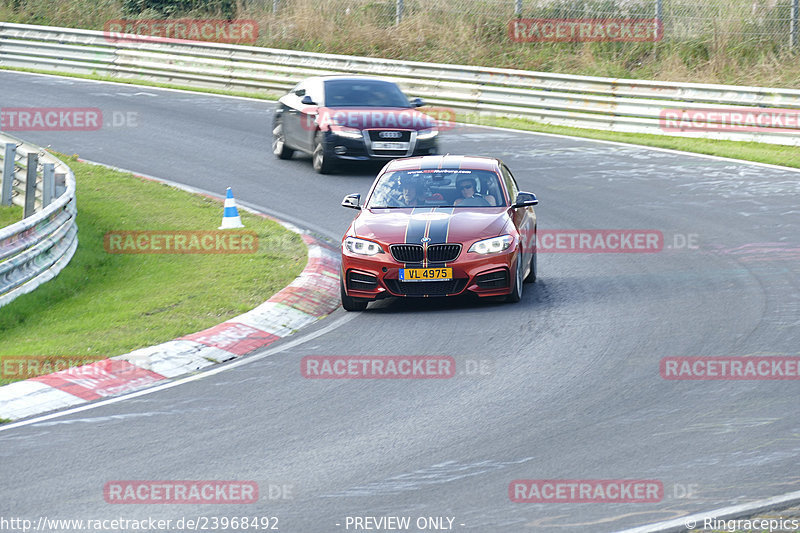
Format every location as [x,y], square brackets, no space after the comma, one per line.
[361,282]
[493,280]
[415,253]
[394,135]
[443,253]
[390,153]
[426,288]
[407,253]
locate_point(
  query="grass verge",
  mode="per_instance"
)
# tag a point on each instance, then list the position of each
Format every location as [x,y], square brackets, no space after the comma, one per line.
[105,304]
[773,154]
[10,215]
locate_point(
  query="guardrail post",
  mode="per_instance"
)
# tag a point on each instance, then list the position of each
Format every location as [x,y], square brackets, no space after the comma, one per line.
[30,185]
[48,184]
[8,174]
[274,6]
[398,13]
[517,8]
[659,11]
[795,20]
[60,184]
[659,22]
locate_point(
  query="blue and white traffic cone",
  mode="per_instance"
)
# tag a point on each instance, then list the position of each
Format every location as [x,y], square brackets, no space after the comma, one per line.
[230,217]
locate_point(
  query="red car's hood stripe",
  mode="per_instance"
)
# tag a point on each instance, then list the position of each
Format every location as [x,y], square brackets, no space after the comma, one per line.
[417,226]
[457,225]
[438,229]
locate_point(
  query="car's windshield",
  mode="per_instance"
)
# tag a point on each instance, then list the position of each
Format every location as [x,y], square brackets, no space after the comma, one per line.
[364,93]
[441,187]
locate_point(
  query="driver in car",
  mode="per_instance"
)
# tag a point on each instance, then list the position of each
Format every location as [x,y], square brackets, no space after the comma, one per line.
[466,186]
[412,193]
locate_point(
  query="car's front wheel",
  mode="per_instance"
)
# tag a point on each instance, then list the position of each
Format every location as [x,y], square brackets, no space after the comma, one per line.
[322,159]
[531,277]
[349,303]
[516,292]
[279,147]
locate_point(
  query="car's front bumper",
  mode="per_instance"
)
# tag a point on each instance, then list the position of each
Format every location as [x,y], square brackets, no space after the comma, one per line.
[377,276]
[361,149]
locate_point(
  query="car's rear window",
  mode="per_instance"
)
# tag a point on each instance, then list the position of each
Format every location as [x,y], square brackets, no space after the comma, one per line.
[441,187]
[364,93]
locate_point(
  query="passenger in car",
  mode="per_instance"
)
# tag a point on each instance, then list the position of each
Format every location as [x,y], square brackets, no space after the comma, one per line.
[469,196]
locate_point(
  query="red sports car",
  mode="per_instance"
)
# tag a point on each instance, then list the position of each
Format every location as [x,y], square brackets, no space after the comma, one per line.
[439,226]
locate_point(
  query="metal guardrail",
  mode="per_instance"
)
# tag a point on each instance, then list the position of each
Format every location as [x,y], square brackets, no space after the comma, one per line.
[35,249]
[578,101]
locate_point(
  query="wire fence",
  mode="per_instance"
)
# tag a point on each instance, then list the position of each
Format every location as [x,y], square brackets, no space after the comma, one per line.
[773,21]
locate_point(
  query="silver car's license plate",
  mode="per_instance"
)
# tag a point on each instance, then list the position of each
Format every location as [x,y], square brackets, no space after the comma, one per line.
[383,145]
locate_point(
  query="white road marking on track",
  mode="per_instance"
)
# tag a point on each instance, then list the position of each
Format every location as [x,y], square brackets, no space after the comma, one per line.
[249,359]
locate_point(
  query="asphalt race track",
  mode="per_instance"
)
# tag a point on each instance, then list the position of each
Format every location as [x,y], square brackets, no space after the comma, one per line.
[570,385]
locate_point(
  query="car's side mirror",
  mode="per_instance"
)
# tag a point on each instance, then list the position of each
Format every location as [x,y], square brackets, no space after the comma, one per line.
[525,199]
[417,102]
[352,201]
[307,100]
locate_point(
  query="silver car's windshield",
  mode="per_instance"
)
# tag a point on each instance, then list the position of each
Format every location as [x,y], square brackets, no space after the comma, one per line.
[364,93]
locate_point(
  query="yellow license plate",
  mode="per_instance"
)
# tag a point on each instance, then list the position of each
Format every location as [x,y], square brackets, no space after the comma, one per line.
[426,274]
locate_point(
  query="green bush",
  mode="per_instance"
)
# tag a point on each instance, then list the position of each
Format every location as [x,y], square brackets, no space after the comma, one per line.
[176,8]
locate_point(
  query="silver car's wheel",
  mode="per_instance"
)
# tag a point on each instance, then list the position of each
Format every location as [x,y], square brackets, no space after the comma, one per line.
[279,147]
[321,159]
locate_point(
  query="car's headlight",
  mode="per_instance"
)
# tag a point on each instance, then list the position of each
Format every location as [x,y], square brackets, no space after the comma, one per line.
[362,247]
[351,133]
[427,134]
[493,245]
